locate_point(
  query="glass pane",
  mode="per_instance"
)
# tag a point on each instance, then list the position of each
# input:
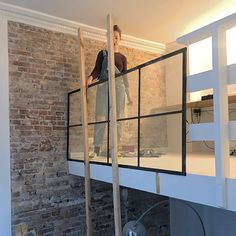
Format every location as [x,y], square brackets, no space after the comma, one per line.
[173,78]
[127,142]
[161,86]
[76,143]
[127,84]
[161,142]
[98,142]
[98,102]
[75,109]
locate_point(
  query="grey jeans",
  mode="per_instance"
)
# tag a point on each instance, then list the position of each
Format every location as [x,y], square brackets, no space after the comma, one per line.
[102,109]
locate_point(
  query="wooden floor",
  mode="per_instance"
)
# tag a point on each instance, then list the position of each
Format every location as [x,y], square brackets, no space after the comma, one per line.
[198,163]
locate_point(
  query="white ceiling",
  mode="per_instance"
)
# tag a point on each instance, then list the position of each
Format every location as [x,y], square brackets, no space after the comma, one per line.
[155,20]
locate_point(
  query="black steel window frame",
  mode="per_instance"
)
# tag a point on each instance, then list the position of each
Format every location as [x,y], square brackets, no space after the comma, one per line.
[182,51]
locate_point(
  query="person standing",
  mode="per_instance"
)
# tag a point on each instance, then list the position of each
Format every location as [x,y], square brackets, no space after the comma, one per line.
[122,87]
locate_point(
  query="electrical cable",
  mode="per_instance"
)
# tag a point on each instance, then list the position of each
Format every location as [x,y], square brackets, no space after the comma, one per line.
[197,214]
[188,128]
[166,201]
[149,209]
[192,115]
[208,146]
[199,119]
[232,111]
[192,120]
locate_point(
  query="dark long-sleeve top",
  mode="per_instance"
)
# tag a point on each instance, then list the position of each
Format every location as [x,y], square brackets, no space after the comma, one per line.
[120,63]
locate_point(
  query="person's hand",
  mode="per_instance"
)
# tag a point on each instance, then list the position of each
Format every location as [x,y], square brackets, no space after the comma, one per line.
[89,80]
[130,102]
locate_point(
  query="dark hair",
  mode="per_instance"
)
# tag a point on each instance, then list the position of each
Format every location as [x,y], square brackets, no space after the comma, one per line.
[117,29]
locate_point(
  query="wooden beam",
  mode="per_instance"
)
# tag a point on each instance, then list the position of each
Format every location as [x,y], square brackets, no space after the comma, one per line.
[83,87]
[209,103]
[112,97]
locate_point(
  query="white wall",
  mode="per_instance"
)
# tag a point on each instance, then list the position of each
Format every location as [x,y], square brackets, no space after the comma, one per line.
[5,189]
[184,222]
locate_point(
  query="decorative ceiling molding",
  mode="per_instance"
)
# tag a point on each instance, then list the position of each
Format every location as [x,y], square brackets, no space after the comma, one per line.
[35,18]
[173,46]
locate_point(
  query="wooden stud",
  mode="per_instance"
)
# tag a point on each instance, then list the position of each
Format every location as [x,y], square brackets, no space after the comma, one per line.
[112,97]
[85,132]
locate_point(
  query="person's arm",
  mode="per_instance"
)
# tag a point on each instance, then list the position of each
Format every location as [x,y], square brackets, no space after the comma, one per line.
[130,102]
[97,69]
[126,82]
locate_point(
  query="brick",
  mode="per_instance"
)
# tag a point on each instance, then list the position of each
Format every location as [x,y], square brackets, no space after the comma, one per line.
[43,68]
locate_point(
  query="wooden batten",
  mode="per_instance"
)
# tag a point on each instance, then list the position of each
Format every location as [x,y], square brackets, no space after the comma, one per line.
[112,94]
[83,86]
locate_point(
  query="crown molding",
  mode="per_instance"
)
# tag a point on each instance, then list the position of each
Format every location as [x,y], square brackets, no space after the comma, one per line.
[173,46]
[35,18]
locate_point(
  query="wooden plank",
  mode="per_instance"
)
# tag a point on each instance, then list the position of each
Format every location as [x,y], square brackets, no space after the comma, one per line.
[196,104]
[112,97]
[85,132]
[200,104]
[209,103]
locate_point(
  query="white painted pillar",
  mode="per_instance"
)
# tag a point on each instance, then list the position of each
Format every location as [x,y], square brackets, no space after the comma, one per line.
[5,176]
[221,120]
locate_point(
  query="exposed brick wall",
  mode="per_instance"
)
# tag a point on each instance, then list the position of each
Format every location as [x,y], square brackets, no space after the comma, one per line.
[43,68]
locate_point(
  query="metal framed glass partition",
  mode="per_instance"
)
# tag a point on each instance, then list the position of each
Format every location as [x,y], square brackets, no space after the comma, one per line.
[152,131]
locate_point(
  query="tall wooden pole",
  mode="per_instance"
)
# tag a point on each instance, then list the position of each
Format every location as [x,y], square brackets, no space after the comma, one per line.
[112,94]
[85,133]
